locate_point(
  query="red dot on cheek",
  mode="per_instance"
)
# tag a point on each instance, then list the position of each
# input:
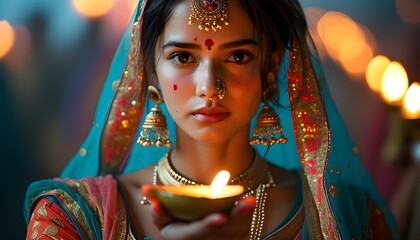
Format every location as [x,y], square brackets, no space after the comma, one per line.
[175,87]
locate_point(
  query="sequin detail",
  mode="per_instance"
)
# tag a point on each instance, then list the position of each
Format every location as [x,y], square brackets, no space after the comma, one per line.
[311,130]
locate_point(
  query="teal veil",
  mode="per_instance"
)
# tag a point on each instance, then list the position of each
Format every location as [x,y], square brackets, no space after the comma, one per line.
[318,143]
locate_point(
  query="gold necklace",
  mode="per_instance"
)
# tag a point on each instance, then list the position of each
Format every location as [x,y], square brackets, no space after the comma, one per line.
[255,181]
[250,179]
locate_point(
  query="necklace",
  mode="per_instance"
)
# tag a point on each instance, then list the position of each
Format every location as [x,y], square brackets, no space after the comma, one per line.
[250,179]
[255,181]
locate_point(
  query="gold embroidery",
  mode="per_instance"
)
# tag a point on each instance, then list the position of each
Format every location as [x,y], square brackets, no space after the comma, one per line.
[87,193]
[355,150]
[73,209]
[35,229]
[83,152]
[84,190]
[34,234]
[57,222]
[42,211]
[51,230]
[116,138]
[115,84]
[311,129]
[333,191]
[310,208]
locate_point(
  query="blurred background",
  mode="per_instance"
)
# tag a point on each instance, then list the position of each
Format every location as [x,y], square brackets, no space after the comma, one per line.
[54,57]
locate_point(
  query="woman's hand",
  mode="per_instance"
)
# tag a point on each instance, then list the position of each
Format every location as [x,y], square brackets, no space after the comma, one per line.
[214,226]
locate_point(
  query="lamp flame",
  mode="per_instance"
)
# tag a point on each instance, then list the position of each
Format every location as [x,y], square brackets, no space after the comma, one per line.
[219,182]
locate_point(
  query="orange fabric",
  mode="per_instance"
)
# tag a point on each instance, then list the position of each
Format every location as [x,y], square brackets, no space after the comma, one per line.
[48,221]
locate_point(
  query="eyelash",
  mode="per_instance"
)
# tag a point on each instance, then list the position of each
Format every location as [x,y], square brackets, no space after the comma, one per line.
[248,56]
[173,57]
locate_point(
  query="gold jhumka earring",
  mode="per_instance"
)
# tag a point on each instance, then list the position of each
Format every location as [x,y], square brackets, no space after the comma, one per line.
[268,130]
[211,14]
[155,130]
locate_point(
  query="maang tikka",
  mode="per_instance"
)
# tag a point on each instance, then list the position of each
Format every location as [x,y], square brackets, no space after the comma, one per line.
[211,14]
[268,130]
[155,130]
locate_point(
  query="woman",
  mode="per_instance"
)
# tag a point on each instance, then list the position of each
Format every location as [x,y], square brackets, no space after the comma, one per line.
[216,63]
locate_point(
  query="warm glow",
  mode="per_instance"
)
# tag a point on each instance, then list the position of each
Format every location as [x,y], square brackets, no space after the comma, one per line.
[132,4]
[339,31]
[357,66]
[375,70]
[411,105]
[219,182]
[394,83]
[93,8]
[7,38]
[20,51]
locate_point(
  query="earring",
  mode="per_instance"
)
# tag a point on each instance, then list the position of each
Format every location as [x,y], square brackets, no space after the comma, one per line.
[268,130]
[155,130]
[221,89]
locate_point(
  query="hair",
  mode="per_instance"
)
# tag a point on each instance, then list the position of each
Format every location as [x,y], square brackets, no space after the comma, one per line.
[277,23]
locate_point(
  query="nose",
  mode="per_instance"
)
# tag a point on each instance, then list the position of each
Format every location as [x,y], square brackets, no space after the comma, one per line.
[206,84]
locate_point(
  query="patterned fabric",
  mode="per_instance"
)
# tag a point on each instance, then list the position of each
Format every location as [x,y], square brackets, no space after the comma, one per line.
[51,216]
[345,203]
[92,206]
[48,221]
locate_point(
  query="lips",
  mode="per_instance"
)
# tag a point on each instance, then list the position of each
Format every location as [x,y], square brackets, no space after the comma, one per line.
[210,115]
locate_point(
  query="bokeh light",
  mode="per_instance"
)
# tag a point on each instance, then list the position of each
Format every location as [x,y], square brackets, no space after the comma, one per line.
[348,43]
[337,30]
[93,8]
[375,71]
[411,105]
[21,49]
[7,38]
[357,65]
[394,83]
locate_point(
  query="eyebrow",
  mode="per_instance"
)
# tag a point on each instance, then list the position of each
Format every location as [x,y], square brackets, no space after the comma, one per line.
[239,43]
[181,45]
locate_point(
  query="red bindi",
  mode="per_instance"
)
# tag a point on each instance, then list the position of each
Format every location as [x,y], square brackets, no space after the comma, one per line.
[209,43]
[175,87]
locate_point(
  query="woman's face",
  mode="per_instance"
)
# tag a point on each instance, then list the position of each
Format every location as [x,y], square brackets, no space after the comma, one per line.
[188,62]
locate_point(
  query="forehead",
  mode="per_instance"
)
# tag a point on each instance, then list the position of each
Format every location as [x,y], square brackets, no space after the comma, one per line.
[240,25]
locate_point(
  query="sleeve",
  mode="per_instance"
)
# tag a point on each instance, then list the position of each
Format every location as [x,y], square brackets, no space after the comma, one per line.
[48,221]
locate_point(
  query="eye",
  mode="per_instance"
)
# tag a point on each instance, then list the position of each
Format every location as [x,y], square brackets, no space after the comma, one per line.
[240,57]
[180,58]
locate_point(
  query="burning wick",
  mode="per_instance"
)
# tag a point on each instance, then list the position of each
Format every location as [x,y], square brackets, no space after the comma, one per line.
[219,183]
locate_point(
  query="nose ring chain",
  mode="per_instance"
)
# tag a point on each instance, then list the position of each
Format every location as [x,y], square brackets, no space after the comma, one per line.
[221,88]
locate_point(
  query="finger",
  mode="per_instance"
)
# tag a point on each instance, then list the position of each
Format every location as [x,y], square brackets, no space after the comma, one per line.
[159,215]
[194,230]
